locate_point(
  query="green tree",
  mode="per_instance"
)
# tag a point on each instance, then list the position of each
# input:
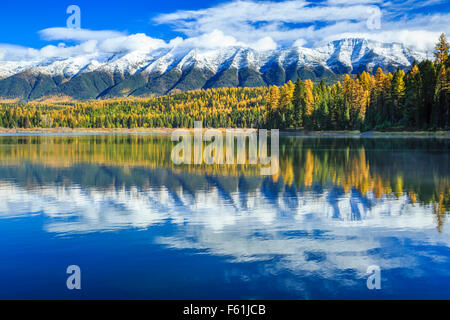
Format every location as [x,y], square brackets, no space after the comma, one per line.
[428,78]
[298,103]
[441,103]
[413,97]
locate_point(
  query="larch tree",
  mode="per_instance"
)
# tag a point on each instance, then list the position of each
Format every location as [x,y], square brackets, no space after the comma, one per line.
[398,94]
[441,51]
[413,97]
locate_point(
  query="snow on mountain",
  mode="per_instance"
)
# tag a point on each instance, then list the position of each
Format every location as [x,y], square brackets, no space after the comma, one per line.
[10,68]
[348,52]
[254,67]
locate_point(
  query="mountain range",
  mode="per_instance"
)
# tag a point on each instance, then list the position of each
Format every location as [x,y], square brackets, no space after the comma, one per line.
[178,69]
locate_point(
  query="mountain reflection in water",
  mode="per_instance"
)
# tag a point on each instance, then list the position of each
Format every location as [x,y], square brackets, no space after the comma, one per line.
[337,206]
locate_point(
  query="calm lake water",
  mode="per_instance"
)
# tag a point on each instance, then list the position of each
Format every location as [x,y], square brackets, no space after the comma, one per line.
[140,227]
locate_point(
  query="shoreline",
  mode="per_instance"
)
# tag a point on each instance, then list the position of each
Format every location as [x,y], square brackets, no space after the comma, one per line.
[302,133]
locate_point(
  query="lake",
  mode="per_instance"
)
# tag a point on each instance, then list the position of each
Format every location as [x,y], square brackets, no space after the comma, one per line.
[140,227]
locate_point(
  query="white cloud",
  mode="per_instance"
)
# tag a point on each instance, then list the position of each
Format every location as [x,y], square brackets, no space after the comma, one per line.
[212,40]
[266,43]
[135,42]
[250,21]
[259,25]
[349,2]
[299,43]
[108,46]
[122,44]
[421,40]
[286,22]
[68,34]
[12,52]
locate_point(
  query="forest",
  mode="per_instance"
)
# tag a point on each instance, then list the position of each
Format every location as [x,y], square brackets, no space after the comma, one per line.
[418,99]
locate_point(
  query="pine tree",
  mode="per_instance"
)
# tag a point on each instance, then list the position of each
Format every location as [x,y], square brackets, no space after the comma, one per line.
[387,101]
[413,97]
[441,104]
[341,108]
[447,90]
[377,99]
[428,78]
[323,116]
[333,108]
[298,102]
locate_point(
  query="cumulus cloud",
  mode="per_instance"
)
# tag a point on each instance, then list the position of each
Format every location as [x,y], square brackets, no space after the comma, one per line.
[217,39]
[212,40]
[123,44]
[265,43]
[263,25]
[308,23]
[108,46]
[419,39]
[299,43]
[250,21]
[347,2]
[135,42]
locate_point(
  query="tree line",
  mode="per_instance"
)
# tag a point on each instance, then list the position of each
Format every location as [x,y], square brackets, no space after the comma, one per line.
[418,99]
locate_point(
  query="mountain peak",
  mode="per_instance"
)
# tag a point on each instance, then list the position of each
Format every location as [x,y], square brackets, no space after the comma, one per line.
[158,71]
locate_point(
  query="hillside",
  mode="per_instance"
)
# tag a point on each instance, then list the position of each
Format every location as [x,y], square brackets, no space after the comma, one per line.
[179,69]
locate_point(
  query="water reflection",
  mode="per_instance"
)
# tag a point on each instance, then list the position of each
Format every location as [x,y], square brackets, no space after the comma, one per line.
[337,204]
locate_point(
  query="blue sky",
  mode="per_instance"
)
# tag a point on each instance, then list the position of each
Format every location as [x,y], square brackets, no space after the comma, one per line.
[259,24]
[20,21]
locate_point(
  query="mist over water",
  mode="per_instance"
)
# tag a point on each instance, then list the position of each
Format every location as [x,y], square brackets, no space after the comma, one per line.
[141,227]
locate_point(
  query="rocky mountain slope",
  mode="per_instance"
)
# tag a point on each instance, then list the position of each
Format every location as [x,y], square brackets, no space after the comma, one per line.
[167,70]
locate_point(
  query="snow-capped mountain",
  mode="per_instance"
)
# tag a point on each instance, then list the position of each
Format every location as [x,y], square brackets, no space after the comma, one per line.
[166,70]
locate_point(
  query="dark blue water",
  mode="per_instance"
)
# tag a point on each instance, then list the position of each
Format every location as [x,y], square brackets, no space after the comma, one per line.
[140,228]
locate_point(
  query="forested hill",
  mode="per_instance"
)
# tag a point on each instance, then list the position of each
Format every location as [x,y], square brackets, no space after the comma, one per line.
[417,99]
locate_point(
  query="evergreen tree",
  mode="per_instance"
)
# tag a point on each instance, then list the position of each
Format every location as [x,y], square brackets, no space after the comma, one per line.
[428,79]
[441,105]
[413,97]
[324,115]
[298,102]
